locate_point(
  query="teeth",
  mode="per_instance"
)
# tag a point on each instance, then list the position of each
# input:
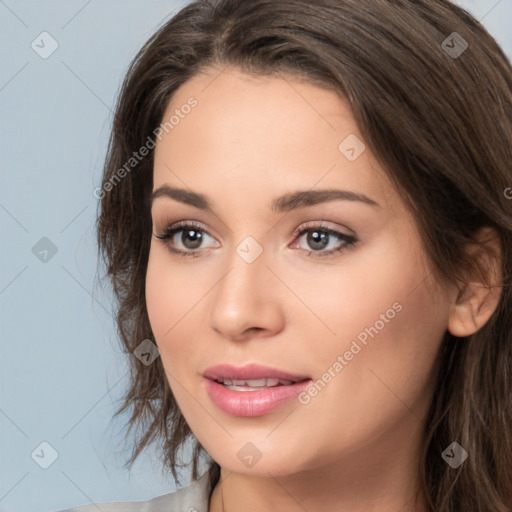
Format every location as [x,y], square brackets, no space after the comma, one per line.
[255,383]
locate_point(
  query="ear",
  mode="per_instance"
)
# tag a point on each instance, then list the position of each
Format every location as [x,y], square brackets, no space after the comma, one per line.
[478,298]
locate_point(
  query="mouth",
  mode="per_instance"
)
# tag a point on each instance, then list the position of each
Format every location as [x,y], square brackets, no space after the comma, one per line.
[252,390]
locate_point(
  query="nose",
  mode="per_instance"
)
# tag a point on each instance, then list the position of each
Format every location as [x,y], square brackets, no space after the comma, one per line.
[246,302]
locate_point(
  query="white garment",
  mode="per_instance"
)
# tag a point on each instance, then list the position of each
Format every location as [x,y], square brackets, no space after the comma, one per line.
[191,498]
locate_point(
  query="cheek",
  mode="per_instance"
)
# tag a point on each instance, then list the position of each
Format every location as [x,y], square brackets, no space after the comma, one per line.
[388,325]
[380,293]
[165,305]
[157,295]
[173,302]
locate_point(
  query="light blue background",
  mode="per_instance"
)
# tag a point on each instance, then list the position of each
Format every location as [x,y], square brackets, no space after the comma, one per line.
[62,372]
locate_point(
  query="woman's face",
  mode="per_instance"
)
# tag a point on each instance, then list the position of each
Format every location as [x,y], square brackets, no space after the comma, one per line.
[324,287]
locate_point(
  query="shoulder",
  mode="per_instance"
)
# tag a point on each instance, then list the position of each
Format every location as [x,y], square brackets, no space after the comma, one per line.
[191,498]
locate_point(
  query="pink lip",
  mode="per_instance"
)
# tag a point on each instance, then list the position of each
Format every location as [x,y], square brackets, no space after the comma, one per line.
[249,372]
[251,403]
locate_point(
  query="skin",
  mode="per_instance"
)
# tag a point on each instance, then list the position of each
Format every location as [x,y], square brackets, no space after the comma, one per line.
[354,447]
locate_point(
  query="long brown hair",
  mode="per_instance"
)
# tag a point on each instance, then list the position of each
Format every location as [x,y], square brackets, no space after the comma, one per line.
[434,107]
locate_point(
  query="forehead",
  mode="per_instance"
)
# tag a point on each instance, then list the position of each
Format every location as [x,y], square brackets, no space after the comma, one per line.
[249,133]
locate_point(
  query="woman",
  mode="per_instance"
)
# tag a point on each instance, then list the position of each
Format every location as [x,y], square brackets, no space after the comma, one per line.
[306,217]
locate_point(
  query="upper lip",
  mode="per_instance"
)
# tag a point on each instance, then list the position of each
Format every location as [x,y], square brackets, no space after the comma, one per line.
[250,372]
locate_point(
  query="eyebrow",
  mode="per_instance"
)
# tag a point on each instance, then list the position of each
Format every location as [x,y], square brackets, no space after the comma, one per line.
[284,203]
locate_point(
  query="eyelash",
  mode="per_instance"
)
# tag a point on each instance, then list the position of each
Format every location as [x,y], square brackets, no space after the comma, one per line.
[169,233]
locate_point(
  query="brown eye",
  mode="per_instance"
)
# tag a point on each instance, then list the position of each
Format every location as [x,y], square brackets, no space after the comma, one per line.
[319,237]
[192,236]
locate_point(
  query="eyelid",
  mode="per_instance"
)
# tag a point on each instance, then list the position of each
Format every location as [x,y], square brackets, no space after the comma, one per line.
[322,225]
[166,225]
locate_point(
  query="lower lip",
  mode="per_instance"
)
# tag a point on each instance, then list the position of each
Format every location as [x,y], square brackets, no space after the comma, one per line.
[252,403]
